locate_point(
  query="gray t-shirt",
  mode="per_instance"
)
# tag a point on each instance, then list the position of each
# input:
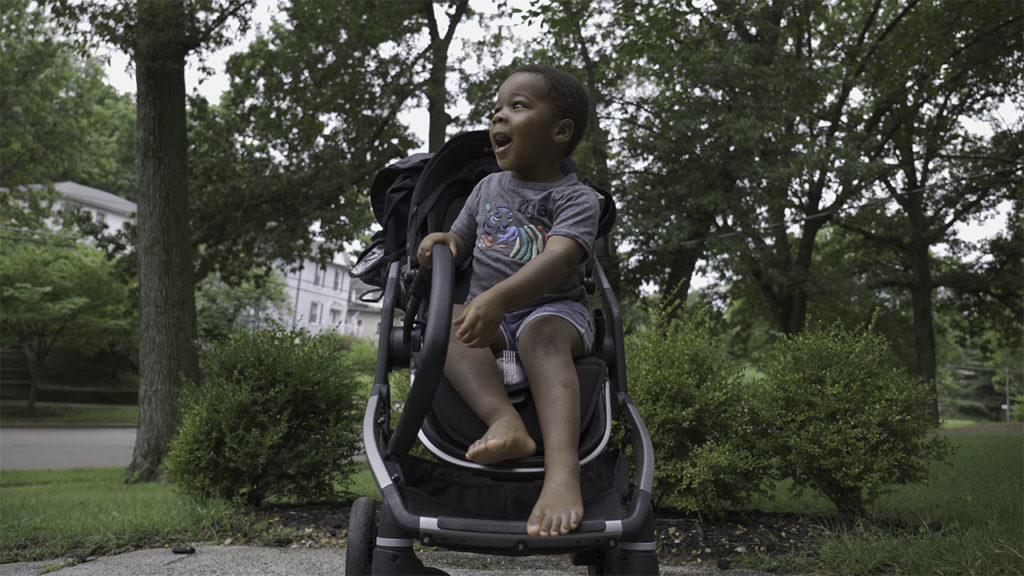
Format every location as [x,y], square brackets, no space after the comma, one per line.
[508,220]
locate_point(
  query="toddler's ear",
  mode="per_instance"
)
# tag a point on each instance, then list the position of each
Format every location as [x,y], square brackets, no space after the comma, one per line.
[563,131]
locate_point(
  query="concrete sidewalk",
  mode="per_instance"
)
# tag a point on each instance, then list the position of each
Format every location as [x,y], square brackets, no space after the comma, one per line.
[252,561]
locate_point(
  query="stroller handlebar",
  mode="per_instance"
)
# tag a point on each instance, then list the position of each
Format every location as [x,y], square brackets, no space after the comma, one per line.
[428,362]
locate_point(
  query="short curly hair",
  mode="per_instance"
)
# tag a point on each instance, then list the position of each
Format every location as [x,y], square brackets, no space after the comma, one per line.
[569,96]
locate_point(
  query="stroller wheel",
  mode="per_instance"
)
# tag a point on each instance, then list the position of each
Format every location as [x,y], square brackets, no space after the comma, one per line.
[362,535]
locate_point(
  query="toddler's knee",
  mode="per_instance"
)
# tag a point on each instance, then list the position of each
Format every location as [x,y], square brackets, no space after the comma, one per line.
[546,336]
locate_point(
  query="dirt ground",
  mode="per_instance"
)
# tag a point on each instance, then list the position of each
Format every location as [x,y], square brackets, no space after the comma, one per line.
[682,540]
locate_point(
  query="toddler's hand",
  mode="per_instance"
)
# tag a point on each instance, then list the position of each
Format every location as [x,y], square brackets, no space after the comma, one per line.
[424,253]
[479,322]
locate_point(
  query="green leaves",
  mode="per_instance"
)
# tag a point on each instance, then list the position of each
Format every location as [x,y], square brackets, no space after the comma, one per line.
[844,421]
[274,417]
[698,411]
[59,118]
[310,117]
[61,292]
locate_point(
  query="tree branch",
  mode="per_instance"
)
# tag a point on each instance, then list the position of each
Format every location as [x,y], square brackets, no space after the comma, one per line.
[231,10]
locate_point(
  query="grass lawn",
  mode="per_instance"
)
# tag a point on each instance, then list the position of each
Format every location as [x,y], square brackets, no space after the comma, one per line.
[967,519]
[50,513]
[90,511]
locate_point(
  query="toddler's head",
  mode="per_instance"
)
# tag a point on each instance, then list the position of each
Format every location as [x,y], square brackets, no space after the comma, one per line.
[568,95]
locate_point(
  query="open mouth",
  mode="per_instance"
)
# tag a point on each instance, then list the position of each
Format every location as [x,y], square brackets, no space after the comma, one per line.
[501,141]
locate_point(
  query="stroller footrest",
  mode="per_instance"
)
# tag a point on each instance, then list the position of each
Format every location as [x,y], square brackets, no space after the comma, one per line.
[506,526]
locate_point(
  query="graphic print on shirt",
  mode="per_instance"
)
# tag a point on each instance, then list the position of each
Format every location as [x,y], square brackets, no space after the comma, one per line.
[502,231]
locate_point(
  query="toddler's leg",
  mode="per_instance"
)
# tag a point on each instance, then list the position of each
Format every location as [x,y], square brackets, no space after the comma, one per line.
[475,375]
[547,346]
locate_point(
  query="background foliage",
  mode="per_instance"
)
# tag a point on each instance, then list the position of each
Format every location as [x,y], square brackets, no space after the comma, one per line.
[60,119]
[275,417]
[698,409]
[805,137]
[61,295]
[844,421]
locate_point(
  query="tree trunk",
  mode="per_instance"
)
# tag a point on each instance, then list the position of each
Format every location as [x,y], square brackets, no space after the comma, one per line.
[799,289]
[921,283]
[437,97]
[921,288]
[683,260]
[34,376]
[35,349]
[167,316]
[436,91]
[598,137]
[681,266]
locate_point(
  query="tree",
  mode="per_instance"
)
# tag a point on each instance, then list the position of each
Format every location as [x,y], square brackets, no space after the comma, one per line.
[993,303]
[955,61]
[311,116]
[159,35]
[766,145]
[436,89]
[220,307]
[57,292]
[59,118]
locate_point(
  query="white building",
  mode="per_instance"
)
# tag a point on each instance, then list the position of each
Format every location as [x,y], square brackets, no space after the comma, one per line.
[327,298]
[319,298]
[105,207]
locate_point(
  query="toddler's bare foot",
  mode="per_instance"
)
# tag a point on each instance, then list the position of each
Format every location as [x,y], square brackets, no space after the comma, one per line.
[559,509]
[505,440]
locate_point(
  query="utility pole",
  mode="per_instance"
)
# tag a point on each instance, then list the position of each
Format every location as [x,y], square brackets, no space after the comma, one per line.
[1007,390]
[298,291]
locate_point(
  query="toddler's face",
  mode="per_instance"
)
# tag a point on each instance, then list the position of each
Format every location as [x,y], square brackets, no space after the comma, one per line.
[524,127]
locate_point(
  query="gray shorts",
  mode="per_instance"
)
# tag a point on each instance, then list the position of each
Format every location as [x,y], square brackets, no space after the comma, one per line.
[575,312]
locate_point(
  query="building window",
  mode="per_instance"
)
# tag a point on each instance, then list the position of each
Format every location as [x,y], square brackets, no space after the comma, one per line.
[335,316]
[314,312]
[337,278]
[317,276]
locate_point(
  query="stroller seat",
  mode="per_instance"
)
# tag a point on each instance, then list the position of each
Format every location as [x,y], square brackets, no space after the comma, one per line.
[450,426]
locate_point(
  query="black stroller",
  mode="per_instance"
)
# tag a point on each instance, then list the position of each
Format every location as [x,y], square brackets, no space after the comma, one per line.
[441,499]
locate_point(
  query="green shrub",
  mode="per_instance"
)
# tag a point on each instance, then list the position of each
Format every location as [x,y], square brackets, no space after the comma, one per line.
[1017,408]
[363,356]
[693,401]
[846,422]
[276,417]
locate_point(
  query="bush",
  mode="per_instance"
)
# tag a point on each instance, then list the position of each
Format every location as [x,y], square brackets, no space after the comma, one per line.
[845,421]
[276,416]
[1017,408]
[694,404]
